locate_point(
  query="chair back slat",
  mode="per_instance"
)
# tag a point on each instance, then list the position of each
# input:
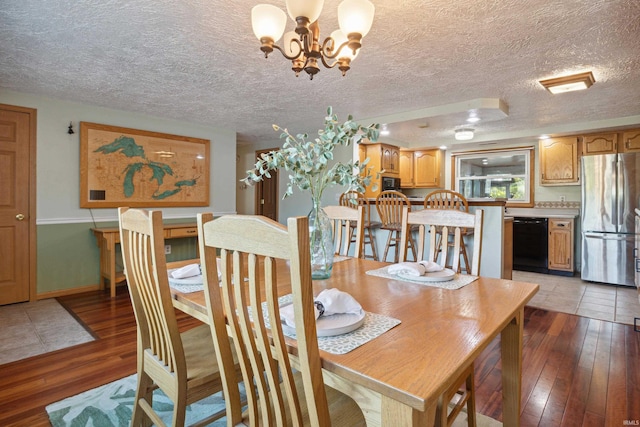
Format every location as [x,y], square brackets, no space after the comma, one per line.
[446,200]
[444,221]
[389,205]
[342,218]
[250,247]
[142,241]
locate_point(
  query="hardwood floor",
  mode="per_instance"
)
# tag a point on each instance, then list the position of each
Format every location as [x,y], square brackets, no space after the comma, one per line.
[576,371]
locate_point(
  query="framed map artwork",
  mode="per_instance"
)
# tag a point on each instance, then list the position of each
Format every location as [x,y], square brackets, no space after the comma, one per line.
[137,168]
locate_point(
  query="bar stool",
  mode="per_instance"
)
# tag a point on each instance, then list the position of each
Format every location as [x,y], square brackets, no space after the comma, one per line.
[450,200]
[389,205]
[352,199]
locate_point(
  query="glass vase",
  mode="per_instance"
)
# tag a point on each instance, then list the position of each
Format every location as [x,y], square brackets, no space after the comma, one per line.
[321,242]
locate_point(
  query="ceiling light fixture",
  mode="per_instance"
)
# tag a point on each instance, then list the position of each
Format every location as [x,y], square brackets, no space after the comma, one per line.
[464,134]
[569,83]
[384,131]
[302,46]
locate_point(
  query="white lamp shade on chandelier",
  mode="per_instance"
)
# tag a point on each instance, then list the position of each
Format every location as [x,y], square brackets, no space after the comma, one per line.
[303,46]
[309,8]
[356,16]
[268,21]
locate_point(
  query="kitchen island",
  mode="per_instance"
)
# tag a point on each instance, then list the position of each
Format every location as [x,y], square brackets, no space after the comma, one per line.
[496,255]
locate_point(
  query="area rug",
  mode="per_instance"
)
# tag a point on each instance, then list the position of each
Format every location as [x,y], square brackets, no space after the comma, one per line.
[33,328]
[111,405]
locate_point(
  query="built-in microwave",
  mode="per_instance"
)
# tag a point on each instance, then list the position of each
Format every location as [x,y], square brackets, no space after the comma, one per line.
[390,183]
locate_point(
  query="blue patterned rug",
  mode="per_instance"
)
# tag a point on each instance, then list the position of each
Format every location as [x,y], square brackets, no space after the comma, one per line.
[111,405]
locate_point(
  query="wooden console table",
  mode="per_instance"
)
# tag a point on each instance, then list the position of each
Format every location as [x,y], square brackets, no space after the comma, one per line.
[107,238]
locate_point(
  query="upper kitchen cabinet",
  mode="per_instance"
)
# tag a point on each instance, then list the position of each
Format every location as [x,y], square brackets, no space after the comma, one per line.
[406,169]
[600,143]
[559,161]
[421,168]
[390,159]
[382,157]
[631,141]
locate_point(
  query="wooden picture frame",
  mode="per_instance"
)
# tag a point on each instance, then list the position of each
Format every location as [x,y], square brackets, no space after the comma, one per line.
[136,168]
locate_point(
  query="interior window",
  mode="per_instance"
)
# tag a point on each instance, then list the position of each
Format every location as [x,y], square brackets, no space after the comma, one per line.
[503,174]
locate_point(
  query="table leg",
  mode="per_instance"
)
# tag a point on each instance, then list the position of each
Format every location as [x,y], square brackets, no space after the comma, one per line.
[395,413]
[511,351]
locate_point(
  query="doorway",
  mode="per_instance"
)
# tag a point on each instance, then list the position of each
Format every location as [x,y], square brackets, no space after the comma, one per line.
[17,204]
[267,193]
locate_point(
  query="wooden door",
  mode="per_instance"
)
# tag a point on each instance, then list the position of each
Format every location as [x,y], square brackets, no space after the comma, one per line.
[17,204]
[267,193]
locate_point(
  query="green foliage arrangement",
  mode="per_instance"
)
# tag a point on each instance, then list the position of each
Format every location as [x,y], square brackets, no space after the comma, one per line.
[307,161]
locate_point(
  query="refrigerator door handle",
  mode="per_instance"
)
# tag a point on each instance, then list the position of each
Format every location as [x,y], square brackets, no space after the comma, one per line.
[608,236]
[615,210]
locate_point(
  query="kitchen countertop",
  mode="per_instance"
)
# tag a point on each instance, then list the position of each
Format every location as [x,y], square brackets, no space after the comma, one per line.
[542,213]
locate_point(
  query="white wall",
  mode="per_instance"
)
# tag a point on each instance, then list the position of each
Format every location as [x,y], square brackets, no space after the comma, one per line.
[58,157]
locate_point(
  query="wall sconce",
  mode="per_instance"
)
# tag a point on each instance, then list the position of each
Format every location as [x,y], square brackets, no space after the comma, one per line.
[70,131]
[569,83]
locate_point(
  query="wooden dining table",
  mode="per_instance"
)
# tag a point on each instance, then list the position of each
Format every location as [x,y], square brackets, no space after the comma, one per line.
[397,377]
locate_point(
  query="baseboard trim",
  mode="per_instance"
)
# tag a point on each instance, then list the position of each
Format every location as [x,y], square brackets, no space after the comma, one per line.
[64,292]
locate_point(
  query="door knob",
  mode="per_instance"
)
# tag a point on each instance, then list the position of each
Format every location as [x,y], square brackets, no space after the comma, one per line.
[20,217]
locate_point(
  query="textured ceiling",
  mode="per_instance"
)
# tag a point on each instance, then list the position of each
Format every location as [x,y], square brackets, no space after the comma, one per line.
[424,60]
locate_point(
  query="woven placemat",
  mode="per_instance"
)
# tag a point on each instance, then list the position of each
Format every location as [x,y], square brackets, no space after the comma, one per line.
[459,281]
[374,326]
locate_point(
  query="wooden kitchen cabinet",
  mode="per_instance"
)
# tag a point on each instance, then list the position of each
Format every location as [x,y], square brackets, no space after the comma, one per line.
[631,141]
[406,169]
[427,168]
[561,235]
[559,163]
[600,143]
[381,157]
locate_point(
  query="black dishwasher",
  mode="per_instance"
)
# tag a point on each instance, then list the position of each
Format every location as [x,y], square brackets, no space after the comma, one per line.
[530,244]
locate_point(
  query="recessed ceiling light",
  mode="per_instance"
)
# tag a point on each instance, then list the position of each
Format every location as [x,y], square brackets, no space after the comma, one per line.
[443,147]
[464,134]
[544,136]
[569,83]
[473,119]
[384,131]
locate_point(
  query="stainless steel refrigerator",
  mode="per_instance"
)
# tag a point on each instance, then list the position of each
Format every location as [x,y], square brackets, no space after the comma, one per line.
[610,185]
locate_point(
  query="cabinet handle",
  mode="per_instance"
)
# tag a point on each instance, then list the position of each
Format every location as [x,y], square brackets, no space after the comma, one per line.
[637,265]
[562,225]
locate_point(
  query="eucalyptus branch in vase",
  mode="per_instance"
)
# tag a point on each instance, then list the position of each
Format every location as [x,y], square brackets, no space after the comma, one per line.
[308,163]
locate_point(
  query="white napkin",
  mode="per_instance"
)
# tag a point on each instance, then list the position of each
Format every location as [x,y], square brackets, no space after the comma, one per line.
[189,270]
[419,268]
[192,270]
[327,303]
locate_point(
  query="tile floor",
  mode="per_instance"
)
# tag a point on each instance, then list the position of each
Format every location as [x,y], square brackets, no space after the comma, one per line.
[33,328]
[572,295]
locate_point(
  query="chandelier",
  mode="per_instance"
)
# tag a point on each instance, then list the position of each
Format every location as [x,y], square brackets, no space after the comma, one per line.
[302,45]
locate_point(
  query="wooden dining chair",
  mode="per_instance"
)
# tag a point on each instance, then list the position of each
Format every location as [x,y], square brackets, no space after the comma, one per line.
[249,248]
[182,365]
[447,221]
[389,205]
[355,198]
[344,219]
[450,200]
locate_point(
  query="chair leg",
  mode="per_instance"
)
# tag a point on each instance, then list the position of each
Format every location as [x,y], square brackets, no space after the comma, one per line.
[386,248]
[372,242]
[179,410]
[144,390]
